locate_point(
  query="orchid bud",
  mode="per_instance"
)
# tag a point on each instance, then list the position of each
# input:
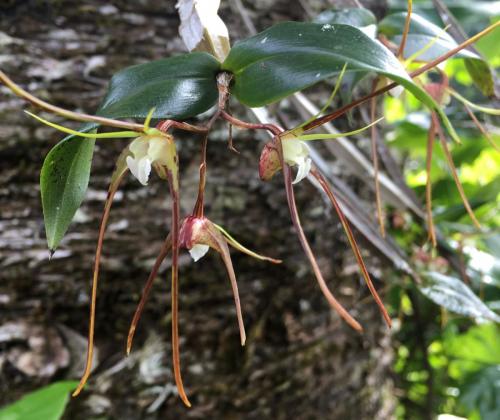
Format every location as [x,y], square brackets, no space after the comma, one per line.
[269,162]
[295,153]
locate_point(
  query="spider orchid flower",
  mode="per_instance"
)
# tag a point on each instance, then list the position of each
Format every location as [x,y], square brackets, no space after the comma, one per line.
[197,235]
[273,158]
[295,152]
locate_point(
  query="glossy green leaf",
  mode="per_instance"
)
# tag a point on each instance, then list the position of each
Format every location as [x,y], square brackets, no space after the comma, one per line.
[47,403]
[454,295]
[63,182]
[422,34]
[291,56]
[177,87]
[358,17]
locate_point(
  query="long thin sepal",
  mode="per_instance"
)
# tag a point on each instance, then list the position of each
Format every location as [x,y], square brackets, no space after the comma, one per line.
[352,241]
[431,136]
[453,170]
[235,244]
[374,138]
[165,249]
[226,257]
[330,136]
[176,359]
[102,229]
[287,176]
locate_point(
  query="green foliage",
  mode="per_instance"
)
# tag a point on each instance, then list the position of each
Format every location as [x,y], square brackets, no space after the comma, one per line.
[357,17]
[177,87]
[454,295]
[47,403]
[291,56]
[63,182]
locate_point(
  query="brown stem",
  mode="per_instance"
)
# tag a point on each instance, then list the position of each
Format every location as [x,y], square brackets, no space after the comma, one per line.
[405,31]
[431,136]
[102,229]
[250,126]
[305,244]
[19,91]
[341,111]
[453,170]
[167,245]
[374,138]
[174,192]
[352,241]
[168,124]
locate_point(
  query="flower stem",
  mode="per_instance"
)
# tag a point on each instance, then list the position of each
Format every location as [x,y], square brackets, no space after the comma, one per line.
[19,91]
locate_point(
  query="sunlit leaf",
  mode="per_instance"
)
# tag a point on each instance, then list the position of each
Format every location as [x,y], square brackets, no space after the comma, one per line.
[454,295]
[47,403]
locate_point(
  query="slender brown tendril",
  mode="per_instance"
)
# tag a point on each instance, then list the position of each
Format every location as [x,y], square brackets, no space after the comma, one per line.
[431,136]
[165,249]
[453,170]
[19,91]
[287,177]
[405,31]
[375,161]
[176,360]
[102,229]
[352,241]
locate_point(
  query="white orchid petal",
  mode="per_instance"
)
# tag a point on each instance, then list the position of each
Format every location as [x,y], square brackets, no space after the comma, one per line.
[198,251]
[143,171]
[304,167]
[133,166]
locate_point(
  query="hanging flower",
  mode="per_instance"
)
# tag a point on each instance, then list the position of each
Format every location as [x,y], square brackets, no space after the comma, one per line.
[150,151]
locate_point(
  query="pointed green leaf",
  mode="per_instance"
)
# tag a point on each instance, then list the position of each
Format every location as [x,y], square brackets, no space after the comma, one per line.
[47,403]
[177,87]
[454,295]
[291,56]
[63,182]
